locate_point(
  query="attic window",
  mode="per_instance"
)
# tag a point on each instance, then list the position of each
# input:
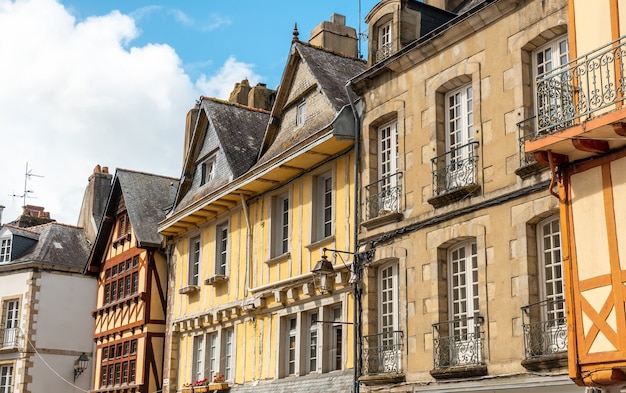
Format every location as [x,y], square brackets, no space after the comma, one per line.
[5,250]
[207,170]
[301,113]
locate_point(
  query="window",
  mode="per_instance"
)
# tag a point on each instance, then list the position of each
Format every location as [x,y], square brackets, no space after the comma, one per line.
[123,225]
[388,303]
[387,198]
[312,353]
[118,363]
[212,354]
[5,250]
[198,358]
[336,339]
[10,333]
[280,231]
[292,342]
[323,206]
[6,377]
[121,280]
[555,100]
[229,347]
[221,241]
[194,261]
[385,42]
[551,270]
[207,170]
[300,113]
[459,137]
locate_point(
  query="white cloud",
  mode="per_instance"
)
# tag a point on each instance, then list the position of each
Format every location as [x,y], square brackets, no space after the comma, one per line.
[74,95]
[221,84]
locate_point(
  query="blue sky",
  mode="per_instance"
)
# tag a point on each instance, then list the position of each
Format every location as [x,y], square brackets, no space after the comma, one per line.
[109,82]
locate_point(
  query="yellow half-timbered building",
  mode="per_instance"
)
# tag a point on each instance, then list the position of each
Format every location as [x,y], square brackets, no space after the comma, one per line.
[262,194]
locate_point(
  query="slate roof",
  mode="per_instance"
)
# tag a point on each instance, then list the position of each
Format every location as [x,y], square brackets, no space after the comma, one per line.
[331,71]
[239,130]
[148,198]
[336,382]
[58,245]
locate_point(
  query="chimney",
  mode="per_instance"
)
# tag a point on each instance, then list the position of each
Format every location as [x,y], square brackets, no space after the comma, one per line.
[239,95]
[261,97]
[335,36]
[190,122]
[32,216]
[94,201]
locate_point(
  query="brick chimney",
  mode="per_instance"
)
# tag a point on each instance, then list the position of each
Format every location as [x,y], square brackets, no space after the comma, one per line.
[32,216]
[335,36]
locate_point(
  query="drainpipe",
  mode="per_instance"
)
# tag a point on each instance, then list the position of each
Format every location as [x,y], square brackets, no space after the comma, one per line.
[357,260]
[248,245]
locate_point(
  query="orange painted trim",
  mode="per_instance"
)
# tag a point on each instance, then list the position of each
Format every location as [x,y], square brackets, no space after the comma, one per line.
[571,30]
[614,10]
[595,282]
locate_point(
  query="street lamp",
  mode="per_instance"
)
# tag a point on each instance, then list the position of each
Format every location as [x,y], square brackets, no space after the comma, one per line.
[80,365]
[322,273]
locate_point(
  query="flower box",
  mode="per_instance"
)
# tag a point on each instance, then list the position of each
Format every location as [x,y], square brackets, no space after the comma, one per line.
[200,389]
[218,386]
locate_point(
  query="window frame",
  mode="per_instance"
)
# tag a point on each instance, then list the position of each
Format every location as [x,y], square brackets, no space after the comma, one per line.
[552,283]
[470,301]
[323,206]
[121,280]
[221,248]
[6,378]
[291,347]
[6,246]
[116,365]
[207,175]
[195,258]
[388,299]
[301,112]
[313,342]
[199,358]
[228,353]
[336,339]
[281,230]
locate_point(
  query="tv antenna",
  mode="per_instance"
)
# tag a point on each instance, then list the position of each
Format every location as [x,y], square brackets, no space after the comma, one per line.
[27,175]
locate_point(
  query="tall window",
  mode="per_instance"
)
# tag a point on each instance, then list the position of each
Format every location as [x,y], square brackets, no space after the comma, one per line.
[385,42]
[5,250]
[207,170]
[388,303]
[212,354]
[10,325]
[6,377]
[221,241]
[555,101]
[323,206]
[194,261]
[336,337]
[118,365]
[292,342]
[198,358]
[228,357]
[280,231]
[464,302]
[301,113]
[551,268]
[388,166]
[459,135]
[312,353]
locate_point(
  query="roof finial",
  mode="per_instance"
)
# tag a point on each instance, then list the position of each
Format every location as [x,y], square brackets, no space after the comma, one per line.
[295,32]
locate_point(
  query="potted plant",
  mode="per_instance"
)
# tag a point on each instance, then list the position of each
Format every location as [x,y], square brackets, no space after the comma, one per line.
[201,385]
[187,388]
[218,382]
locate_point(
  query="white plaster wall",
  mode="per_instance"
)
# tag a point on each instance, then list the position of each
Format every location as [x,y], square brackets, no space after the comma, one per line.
[45,378]
[14,284]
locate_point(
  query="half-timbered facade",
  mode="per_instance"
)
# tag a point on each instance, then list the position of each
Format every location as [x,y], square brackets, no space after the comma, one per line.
[129,260]
[246,313]
[580,133]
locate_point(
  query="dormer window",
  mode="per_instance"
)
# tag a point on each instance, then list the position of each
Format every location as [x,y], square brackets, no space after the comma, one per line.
[301,113]
[385,42]
[5,249]
[207,170]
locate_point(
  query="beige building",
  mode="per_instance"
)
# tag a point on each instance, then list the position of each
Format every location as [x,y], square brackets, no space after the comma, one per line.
[465,290]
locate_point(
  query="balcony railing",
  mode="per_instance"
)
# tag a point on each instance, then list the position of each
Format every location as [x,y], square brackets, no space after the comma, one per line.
[455,168]
[384,52]
[545,328]
[582,88]
[387,197]
[11,338]
[382,353]
[525,132]
[458,342]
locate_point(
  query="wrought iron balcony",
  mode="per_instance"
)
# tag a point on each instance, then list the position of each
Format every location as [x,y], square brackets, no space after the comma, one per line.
[583,88]
[11,338]
[384,52]
[545,328]
[382,353]
[386,198]
[455,168]
[458,342]
[525,132]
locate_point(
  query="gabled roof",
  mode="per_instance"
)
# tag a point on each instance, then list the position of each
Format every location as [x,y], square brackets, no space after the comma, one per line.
[57,245]
[148,197]
[331,72]
[239,130]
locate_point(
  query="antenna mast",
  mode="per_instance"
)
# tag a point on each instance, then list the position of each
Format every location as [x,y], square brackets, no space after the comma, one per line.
[27,175]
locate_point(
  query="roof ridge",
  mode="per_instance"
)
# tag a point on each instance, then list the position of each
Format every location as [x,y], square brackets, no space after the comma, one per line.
[332,52]
[146,173]
[235,104]
[27,229]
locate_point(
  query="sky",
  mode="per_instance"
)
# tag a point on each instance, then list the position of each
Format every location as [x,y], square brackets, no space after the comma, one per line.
[86,83]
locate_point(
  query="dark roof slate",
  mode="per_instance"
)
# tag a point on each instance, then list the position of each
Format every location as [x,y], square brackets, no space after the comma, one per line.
[57,245]
[148,198]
